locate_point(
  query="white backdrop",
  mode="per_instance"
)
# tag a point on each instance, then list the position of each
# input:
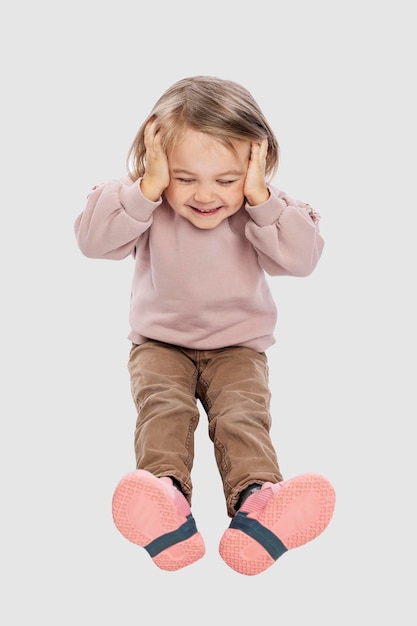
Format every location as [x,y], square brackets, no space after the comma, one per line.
[337,83]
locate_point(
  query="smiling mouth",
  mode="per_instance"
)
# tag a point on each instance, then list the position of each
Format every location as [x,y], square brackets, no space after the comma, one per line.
[205,211]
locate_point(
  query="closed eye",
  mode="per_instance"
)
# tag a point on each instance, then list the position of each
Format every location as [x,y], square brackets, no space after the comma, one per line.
[188,181]
[185,180]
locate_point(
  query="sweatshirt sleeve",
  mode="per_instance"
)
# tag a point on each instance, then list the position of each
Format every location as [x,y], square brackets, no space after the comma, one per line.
[115,216]
[285,234]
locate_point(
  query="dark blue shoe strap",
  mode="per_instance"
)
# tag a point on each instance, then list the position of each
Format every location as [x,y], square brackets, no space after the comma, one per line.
[272,544]
[185,531]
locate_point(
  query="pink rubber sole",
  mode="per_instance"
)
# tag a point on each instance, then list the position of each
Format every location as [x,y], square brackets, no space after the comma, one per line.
[143,511]
[298,512]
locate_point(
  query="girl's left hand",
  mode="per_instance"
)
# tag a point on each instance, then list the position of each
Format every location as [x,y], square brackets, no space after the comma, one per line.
[255,188]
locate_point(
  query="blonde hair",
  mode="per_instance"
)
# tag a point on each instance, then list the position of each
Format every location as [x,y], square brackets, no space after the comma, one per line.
[221,108]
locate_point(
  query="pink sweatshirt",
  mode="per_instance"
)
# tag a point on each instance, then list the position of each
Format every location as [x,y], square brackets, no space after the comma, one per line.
[200,288]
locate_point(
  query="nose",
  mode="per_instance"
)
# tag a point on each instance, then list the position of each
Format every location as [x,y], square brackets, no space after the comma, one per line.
[204,194]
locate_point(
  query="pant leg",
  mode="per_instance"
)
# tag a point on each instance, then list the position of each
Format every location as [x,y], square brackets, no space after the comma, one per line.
[163,381]
[233,387]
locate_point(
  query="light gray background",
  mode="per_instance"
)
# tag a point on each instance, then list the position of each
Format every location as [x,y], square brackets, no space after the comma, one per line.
[337,83]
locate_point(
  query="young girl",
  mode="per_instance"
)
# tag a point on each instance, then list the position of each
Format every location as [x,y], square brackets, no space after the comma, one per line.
[203,225]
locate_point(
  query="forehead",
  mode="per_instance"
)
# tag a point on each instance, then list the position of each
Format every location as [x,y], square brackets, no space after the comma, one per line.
[194,146]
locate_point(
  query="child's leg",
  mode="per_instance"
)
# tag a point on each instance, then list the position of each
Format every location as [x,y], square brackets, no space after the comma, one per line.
[147,508]
[163,382]
[233,388]
[282,514]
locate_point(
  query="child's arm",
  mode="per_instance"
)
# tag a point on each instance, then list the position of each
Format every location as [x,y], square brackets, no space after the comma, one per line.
[121,211]
[285,234]
[116,214]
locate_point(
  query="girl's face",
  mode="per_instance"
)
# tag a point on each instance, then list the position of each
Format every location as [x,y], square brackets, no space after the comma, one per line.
[206,178]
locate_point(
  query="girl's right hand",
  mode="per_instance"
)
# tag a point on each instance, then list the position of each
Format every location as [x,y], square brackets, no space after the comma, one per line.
[156,177]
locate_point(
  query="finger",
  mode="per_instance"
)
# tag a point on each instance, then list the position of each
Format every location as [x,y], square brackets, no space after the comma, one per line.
[263,148]
[152,136]
[149,133]
[152,127]
[254,150]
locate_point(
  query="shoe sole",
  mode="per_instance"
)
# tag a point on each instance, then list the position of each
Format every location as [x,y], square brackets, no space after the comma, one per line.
[144,512]
[297,513]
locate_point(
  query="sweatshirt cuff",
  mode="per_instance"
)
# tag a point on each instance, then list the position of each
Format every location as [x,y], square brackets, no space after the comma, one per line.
[268,212]
[135,203]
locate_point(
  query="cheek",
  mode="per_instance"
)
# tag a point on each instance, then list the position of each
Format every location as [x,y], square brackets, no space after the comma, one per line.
[236,196]
[172,195]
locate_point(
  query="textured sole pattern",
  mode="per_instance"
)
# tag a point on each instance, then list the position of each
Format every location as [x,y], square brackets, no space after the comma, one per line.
[143,510]
[296,513]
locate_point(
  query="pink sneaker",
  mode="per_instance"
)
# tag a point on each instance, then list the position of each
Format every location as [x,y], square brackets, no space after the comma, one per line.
[152,513]
[275,519]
